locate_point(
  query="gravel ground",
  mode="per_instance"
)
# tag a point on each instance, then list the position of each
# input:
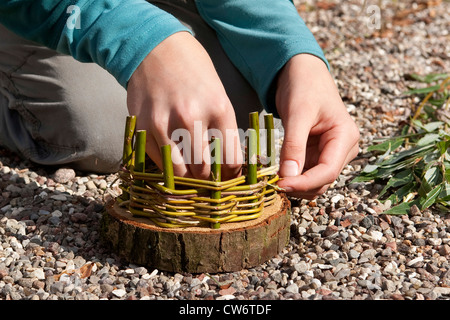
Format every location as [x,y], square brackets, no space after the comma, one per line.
[342,246]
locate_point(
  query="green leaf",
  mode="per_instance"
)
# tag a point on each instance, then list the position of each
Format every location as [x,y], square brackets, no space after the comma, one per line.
[417,151]
[430,159]
[387,145]
[428,139]
[400,179]
[429,78]
[401,209]
[445,192]
[433,126]
[405,190]
[437,102]
[370,168]
[443,146]
[423,90]
[431,178]
[431,197]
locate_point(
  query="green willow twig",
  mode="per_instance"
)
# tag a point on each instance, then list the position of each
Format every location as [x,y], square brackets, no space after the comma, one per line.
[127,157]
[252,152]
[254,124]
[216,174]
[130,126]
[139,166]
[167,167]
[269,126]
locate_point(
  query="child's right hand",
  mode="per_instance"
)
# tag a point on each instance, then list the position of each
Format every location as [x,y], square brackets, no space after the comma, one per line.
[174,86]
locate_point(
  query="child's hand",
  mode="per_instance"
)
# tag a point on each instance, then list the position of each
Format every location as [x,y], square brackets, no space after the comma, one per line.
[175,86]
[320,136]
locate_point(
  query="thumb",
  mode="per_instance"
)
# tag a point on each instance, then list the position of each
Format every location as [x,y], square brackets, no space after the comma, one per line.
[293,151]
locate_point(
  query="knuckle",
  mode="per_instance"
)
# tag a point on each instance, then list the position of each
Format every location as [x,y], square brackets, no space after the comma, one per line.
[331,175]
[355,133]
[200,171]
[222,108]
[159,125]
[292,146]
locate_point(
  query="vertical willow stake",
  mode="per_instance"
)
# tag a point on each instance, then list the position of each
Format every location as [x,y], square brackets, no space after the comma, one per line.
[139,161]
[269,126]
[166,152]
[130,126]
[252,163]
[127,157]
[254,124]
[216,174]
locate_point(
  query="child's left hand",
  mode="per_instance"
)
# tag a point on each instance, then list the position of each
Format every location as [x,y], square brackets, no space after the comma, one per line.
[320,136]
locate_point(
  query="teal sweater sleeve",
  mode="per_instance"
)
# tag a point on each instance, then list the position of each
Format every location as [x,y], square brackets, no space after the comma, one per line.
[115,34]
[260,36]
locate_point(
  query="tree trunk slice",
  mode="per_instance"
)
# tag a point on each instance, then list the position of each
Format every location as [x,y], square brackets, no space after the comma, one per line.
[233,247]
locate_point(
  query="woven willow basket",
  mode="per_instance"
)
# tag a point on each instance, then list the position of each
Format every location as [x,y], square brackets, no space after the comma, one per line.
[178,202]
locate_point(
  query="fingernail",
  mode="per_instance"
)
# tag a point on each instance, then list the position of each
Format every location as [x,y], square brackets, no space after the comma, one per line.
[289,168]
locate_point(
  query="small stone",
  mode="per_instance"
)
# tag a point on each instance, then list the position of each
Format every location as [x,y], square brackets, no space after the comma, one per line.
[103,185]
[434,241]
[307,216]
[392,245]
[57,287]
[54,220]
[3,273]
[386,252]
[386,218]
[37,284]
[106,287]
[367,255]
[384,225]
[388,285]
[78,217]
[415,211]
[431,268]
[119,293]
[353,254]
[64,175]
[337,198]
[376,235]
[57,214]
[129,271]
[366,222]
[342,273]
[444,250]
[414,261]
[442,291]
[301,267]
[226,297]
[293,288]
[59,197]
[39,274]
[345,223]
[335,215]
[228,291]
[91,185]
[330,230]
